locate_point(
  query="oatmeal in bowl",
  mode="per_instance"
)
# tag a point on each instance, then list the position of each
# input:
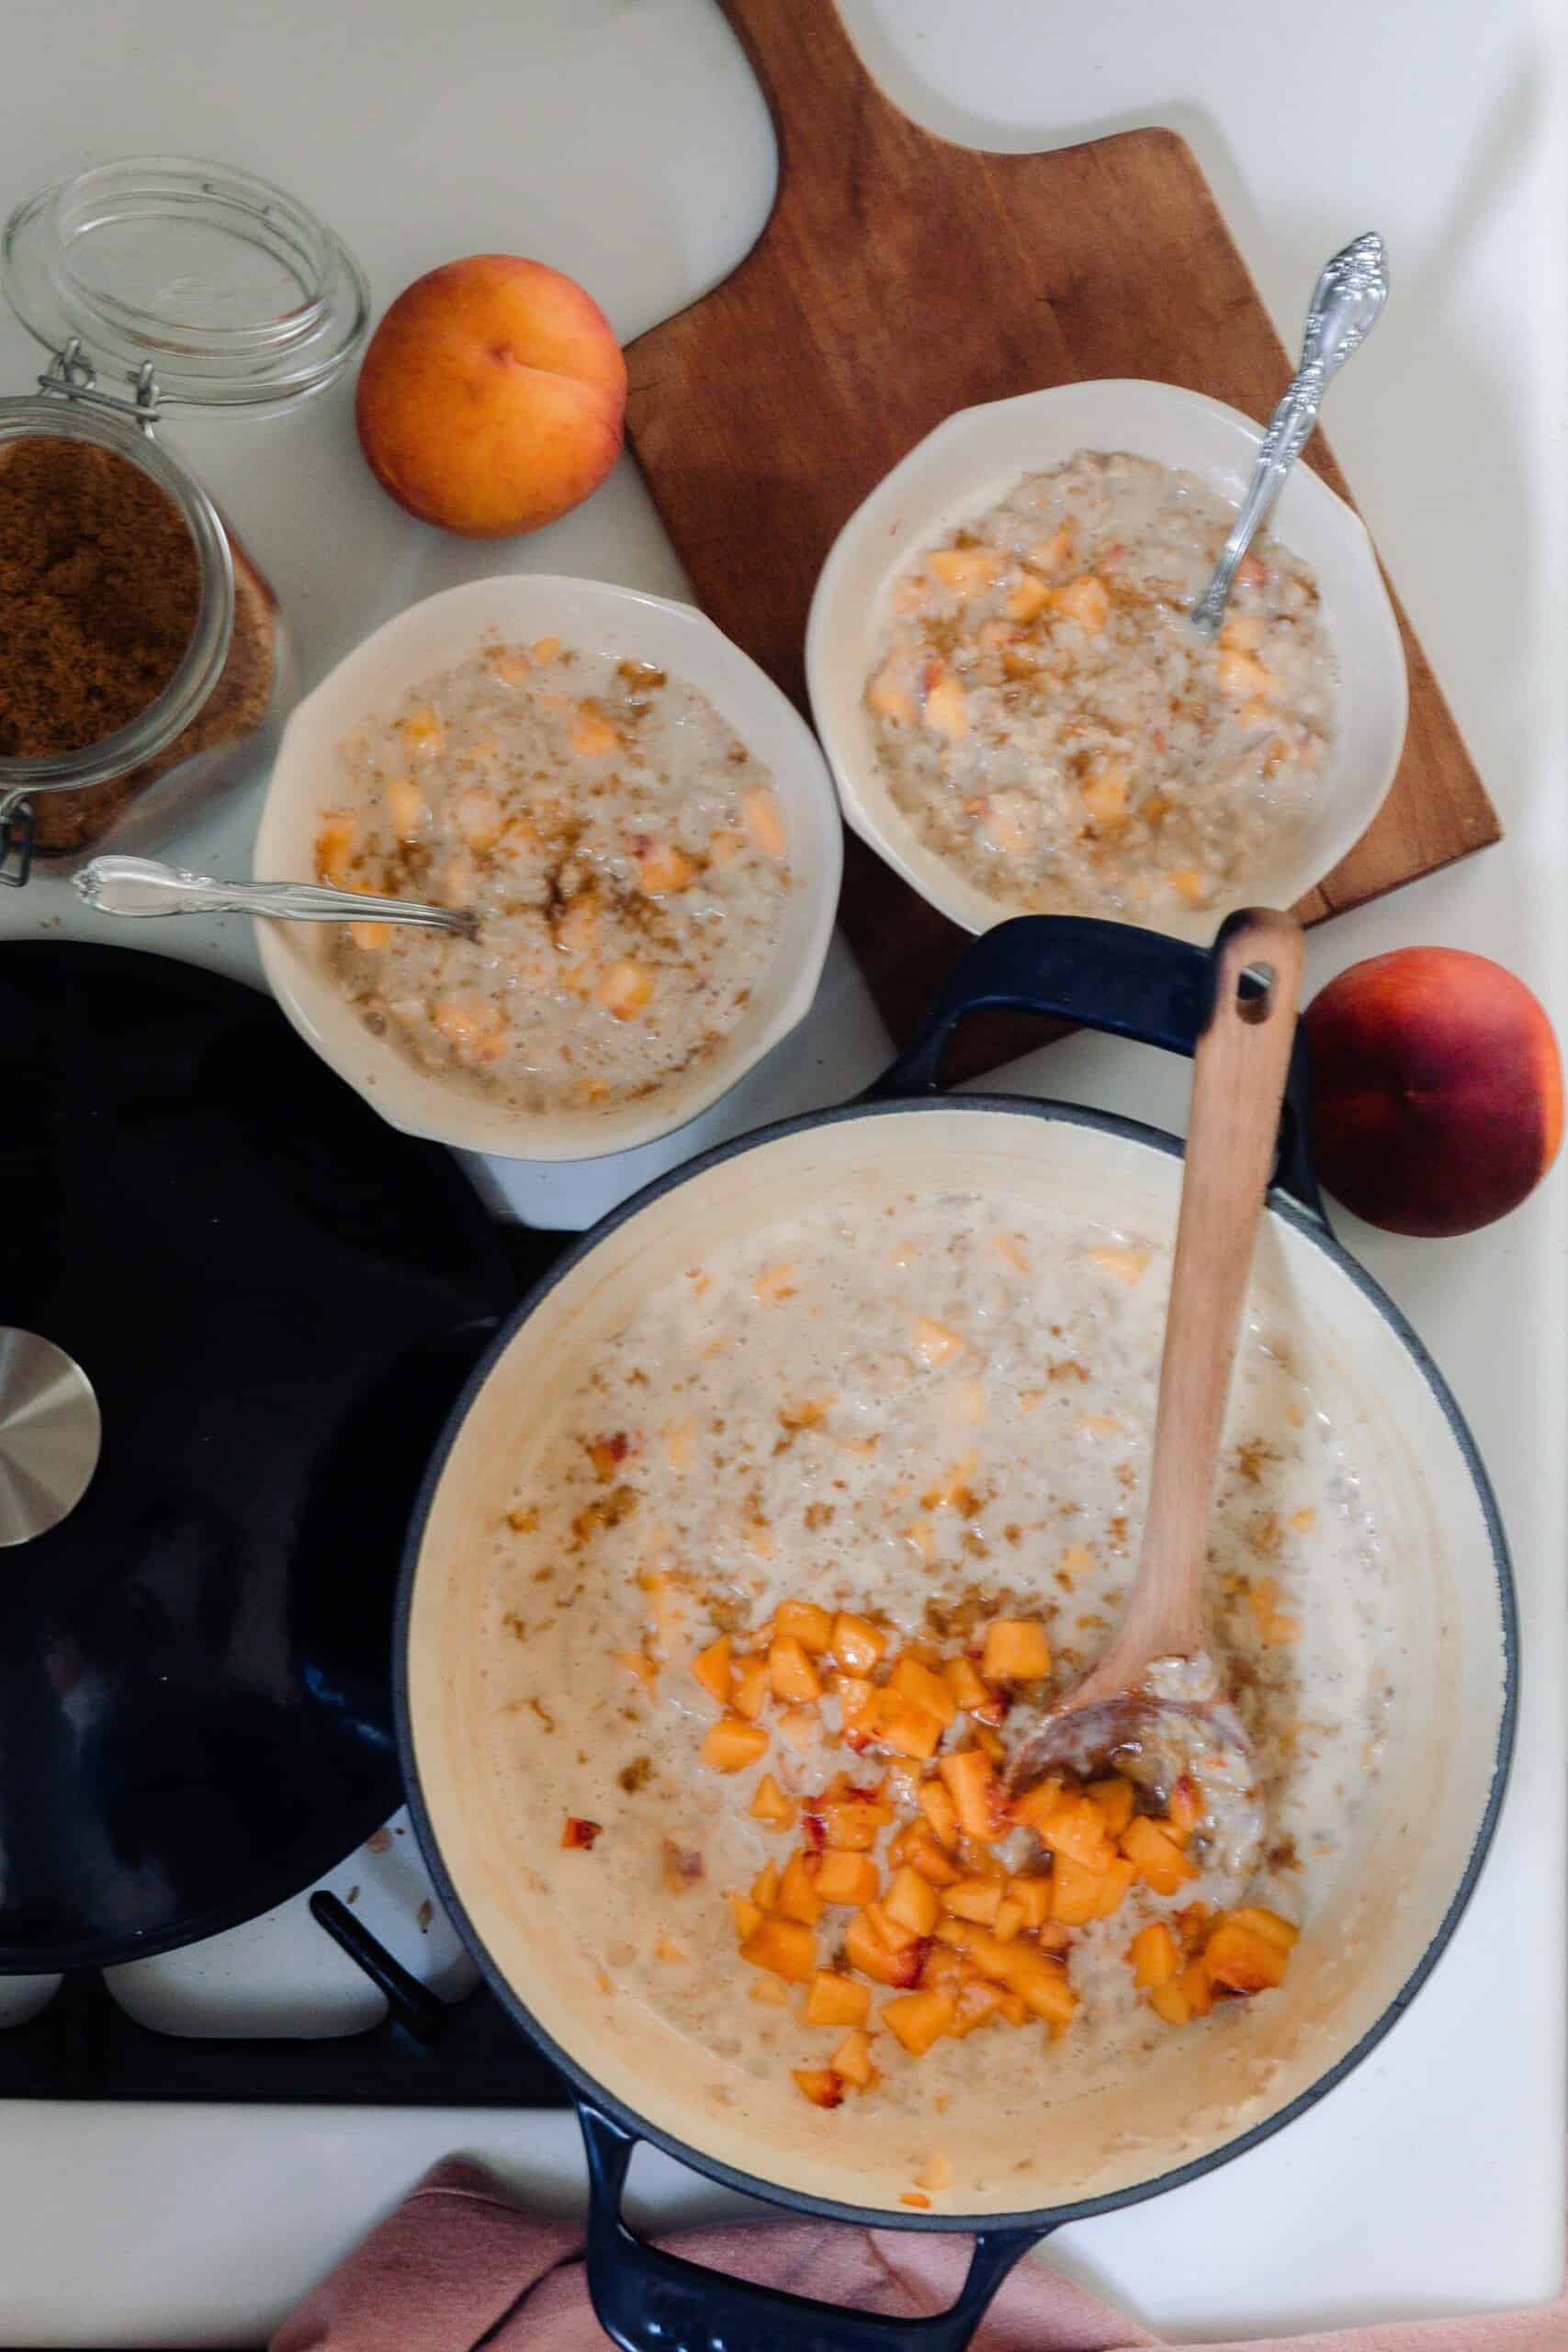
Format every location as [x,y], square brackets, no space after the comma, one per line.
[1017,711]
[639,824]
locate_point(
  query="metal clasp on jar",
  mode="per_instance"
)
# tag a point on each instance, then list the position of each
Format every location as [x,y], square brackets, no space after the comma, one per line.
[71,376]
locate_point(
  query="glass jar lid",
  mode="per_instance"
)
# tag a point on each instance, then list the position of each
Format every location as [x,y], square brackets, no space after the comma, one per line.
[223,289]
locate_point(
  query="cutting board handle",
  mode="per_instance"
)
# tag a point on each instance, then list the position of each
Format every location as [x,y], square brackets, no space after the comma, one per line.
[819,92]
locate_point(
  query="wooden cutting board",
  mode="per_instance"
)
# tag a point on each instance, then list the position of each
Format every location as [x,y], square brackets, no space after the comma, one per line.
[899,278]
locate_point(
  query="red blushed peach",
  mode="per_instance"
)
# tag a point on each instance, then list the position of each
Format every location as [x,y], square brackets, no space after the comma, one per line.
[1436,1090]
[492,396]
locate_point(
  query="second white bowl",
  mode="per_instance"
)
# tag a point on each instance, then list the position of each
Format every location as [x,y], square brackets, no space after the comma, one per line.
[596,617]
[970,462]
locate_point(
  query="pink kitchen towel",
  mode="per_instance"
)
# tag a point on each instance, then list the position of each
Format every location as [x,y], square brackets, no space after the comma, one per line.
[459,2265]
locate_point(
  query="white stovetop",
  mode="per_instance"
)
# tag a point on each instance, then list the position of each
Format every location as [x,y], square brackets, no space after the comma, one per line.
[622,141]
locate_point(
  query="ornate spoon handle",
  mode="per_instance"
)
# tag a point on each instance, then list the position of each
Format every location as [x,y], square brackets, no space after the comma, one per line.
[139,885]
[1346,306]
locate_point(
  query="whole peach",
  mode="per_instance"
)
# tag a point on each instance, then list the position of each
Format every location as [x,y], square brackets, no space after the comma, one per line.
[1436,1090]
[492,396]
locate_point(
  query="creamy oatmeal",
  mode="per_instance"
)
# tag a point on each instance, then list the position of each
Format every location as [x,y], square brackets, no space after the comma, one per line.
[1051,723]
[624,854]
[826,1506]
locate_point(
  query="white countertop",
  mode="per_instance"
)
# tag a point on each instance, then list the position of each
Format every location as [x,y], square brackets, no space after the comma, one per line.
[622,141]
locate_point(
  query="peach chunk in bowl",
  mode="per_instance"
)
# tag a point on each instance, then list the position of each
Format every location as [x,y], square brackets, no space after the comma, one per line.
[565,710]
[1010,770]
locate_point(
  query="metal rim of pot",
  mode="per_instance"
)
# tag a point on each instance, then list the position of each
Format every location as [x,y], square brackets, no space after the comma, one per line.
[644,2296]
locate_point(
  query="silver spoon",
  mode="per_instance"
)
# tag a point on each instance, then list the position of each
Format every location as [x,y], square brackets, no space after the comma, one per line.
[1346,305]
[139,885]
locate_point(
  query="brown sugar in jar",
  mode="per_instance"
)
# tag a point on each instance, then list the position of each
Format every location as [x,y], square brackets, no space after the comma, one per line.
[101,591]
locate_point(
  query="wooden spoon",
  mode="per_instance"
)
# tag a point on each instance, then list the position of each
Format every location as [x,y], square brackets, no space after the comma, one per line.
[1155,1688]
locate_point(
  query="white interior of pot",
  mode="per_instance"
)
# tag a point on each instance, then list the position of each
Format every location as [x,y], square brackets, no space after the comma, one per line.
[498,1833]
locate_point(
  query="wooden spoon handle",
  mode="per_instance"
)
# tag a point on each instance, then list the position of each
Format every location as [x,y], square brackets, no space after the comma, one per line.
[1239,1086]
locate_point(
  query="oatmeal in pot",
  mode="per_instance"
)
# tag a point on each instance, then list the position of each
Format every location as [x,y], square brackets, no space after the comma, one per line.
[827,1509]
[1049,720]
[624,854]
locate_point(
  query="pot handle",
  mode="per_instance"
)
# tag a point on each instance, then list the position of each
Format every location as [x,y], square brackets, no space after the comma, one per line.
[647,2299]
[1113,976]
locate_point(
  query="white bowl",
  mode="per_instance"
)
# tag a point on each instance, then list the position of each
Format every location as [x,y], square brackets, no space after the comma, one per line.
[596,617]
[970,462]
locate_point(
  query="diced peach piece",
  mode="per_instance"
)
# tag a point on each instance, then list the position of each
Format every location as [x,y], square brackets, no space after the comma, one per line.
[912,1901]
[925,1852]
[747,1916]
[1185,1808]
[625,988]
[785,1947]
[910,1679]
[759,815]
[473,1025]
[1267,1923]
[1197,1988]
[732,1743]
[853,1823]
[1074,1892]
[1084,600]
[853,2058]
[824,2086]
[1164,1867]
[942,1970]
[1169,2002]
[1036,1807]
[1154,1956]
[968,572]
[593,737]
[1115,1885]
[1243,1961]
[1240,674]
[1242,632]
[1126,1265]
[772,1805]
[797,1897]
[964,1684]
[976,2002]
[974,1898]
[1075,1829]
[1104,794]
[934,1342]
[919,1535]
[371,938]
[856,1642]
[1033,1896]
[1008,1920]
[577,927]
[1050,555]
[804,1621]
[919,2019]
[905,1727]
[941,1812]
[791,1672]
[748,1691]
[857,1706]
[864,1949]
[1016,1650]
[638,1662]
[1041,1981]
[335,847]
[971,1785]
[946,706]
[579,1832]
[421,731]
[847,1878]
[888,693]
[545,649]
[765,1886]
[407,808]
[1113,1795]
[890,1933]
[663,870]
[712,1671]
[1026,597]
[1191,886]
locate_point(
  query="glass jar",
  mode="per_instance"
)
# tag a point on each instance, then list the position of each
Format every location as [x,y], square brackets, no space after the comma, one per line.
[154,281]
